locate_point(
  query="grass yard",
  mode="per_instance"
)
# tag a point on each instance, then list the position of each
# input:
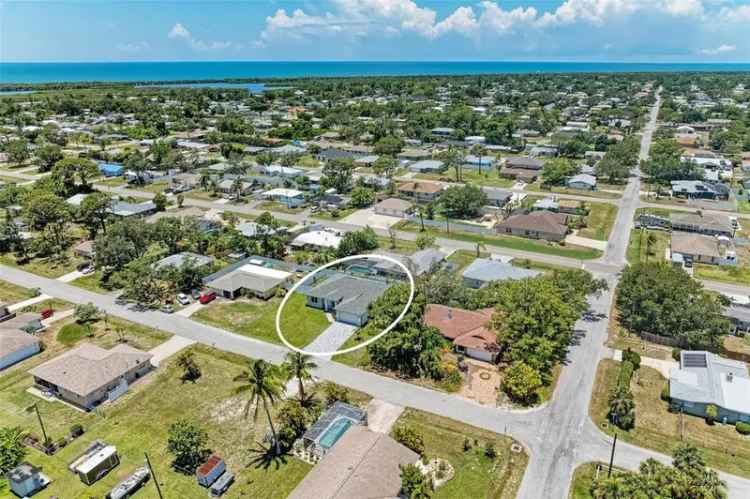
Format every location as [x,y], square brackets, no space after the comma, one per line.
[139,422]
[203,195]
[257,319]
[403,246]
[10,293]
[739,274]
[659,429]
[155,187]
[599,221]
[639,249]
[516,243]
[583,479]
[537,187]
[328,215]
[91,282]
[113,181]
[55,304]
[463,258]
[44,267]
[476,475]
[487,178]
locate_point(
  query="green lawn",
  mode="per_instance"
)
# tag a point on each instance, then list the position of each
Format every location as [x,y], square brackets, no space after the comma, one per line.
[464,258]
[517,243]
[155,187]
[10,293]
[739,274]
[112,181]
[138,422]
[403,246]
[583,479]
[91,282]
[639,249]
[44,266]
[256,318]
[487,178]
[659,429]
[537,187]
[328,215]
[599,221]
[476,475]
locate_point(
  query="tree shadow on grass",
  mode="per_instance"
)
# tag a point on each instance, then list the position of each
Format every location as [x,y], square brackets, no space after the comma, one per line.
[265,457]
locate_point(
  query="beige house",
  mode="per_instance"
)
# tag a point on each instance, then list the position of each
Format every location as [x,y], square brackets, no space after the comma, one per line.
[536,225]
[89,375]
[393,207]
[422,192]
[700,248]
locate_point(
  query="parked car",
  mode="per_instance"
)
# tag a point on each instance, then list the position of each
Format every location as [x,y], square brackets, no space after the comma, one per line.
[196,294]
[47,313]
[85,268]
[207,297]
[167,309]
[183,299]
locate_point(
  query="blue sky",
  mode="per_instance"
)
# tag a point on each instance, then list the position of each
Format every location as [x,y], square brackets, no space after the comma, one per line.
[595,30]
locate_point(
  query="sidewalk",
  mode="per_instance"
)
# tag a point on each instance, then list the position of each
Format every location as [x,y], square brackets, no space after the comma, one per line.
[170,347]
[27,303]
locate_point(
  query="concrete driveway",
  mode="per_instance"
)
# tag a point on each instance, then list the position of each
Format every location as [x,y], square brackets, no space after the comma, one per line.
[369,217]
[332,338]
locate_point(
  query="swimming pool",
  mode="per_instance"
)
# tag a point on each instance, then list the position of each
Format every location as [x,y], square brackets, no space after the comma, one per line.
[334,432]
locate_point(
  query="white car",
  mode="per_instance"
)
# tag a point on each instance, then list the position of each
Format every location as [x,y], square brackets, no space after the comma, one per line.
[183,299]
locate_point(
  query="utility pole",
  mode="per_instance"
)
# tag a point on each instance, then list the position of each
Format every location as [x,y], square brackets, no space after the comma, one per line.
[156,482]
[41,423]
[612,456]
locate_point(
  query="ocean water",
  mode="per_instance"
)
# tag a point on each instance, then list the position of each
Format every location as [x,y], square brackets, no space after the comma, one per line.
[192,71]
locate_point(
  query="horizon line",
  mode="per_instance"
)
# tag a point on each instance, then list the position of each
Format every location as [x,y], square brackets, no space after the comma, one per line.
[405,61]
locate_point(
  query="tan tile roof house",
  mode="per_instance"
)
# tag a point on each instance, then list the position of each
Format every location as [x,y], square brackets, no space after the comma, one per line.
[703,249]
[467,329]
[393,207]
[536,225]
[362,464]
[89,375]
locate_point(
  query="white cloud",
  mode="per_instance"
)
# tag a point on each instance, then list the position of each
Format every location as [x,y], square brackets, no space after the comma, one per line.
[721,49]
[134,47]
[180,32]
[462,21]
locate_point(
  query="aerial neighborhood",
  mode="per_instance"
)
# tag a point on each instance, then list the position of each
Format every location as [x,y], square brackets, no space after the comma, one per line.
[559,264]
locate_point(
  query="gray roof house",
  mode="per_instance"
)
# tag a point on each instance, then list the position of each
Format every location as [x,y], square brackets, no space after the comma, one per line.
[346,296]
[699,189]
[426,165]
[89,375]
[123,209]
[256,276]
[582,181]
[419,263]
[483,271]
[707,223]
[179,259]
[703,379]
[16,342]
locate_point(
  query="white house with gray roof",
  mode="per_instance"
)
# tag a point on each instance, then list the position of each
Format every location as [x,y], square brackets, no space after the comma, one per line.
[482,271]
[704,379]
[346,296]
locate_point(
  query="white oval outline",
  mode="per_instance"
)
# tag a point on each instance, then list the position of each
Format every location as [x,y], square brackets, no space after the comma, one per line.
[363,344]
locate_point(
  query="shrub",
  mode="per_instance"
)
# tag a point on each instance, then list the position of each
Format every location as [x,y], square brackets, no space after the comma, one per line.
[333,393]
[490,451]
[76,430]
[630,356]
[467,445]
[626,374]
[409,437]
[665,393]
[743,428]
[676,354]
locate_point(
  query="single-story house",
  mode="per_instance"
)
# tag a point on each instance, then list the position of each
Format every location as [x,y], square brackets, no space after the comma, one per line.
[89,375]
[704,379]
[179,259]
[366,160]
[252,229]
[414,154]
[290,197]
[25,480]
[482,271]
[522,168]
[227,186]
[283,171]
[700,248]
[418,263]
[497,197]
[427,166]
[346,296]
[317,239]
[251,276]
[549,203]
[536,225]
[475,162]
[467,329]
[125,210]
[699,189]
[706,223]
[582,181]
[85,249]
[442,131]
[548,151]
[16,339]
[393,207]
[423,192]
[363,463]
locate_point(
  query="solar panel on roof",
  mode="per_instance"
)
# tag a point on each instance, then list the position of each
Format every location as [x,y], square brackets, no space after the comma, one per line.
[694,360]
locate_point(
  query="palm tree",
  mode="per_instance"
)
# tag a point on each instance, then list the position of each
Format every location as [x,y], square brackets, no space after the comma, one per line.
[265,387]
[298,365]
[478,151]
[205,180]
[479,247]
[237,186]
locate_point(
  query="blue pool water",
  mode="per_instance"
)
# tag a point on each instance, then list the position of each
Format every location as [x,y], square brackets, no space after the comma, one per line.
[334,432]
